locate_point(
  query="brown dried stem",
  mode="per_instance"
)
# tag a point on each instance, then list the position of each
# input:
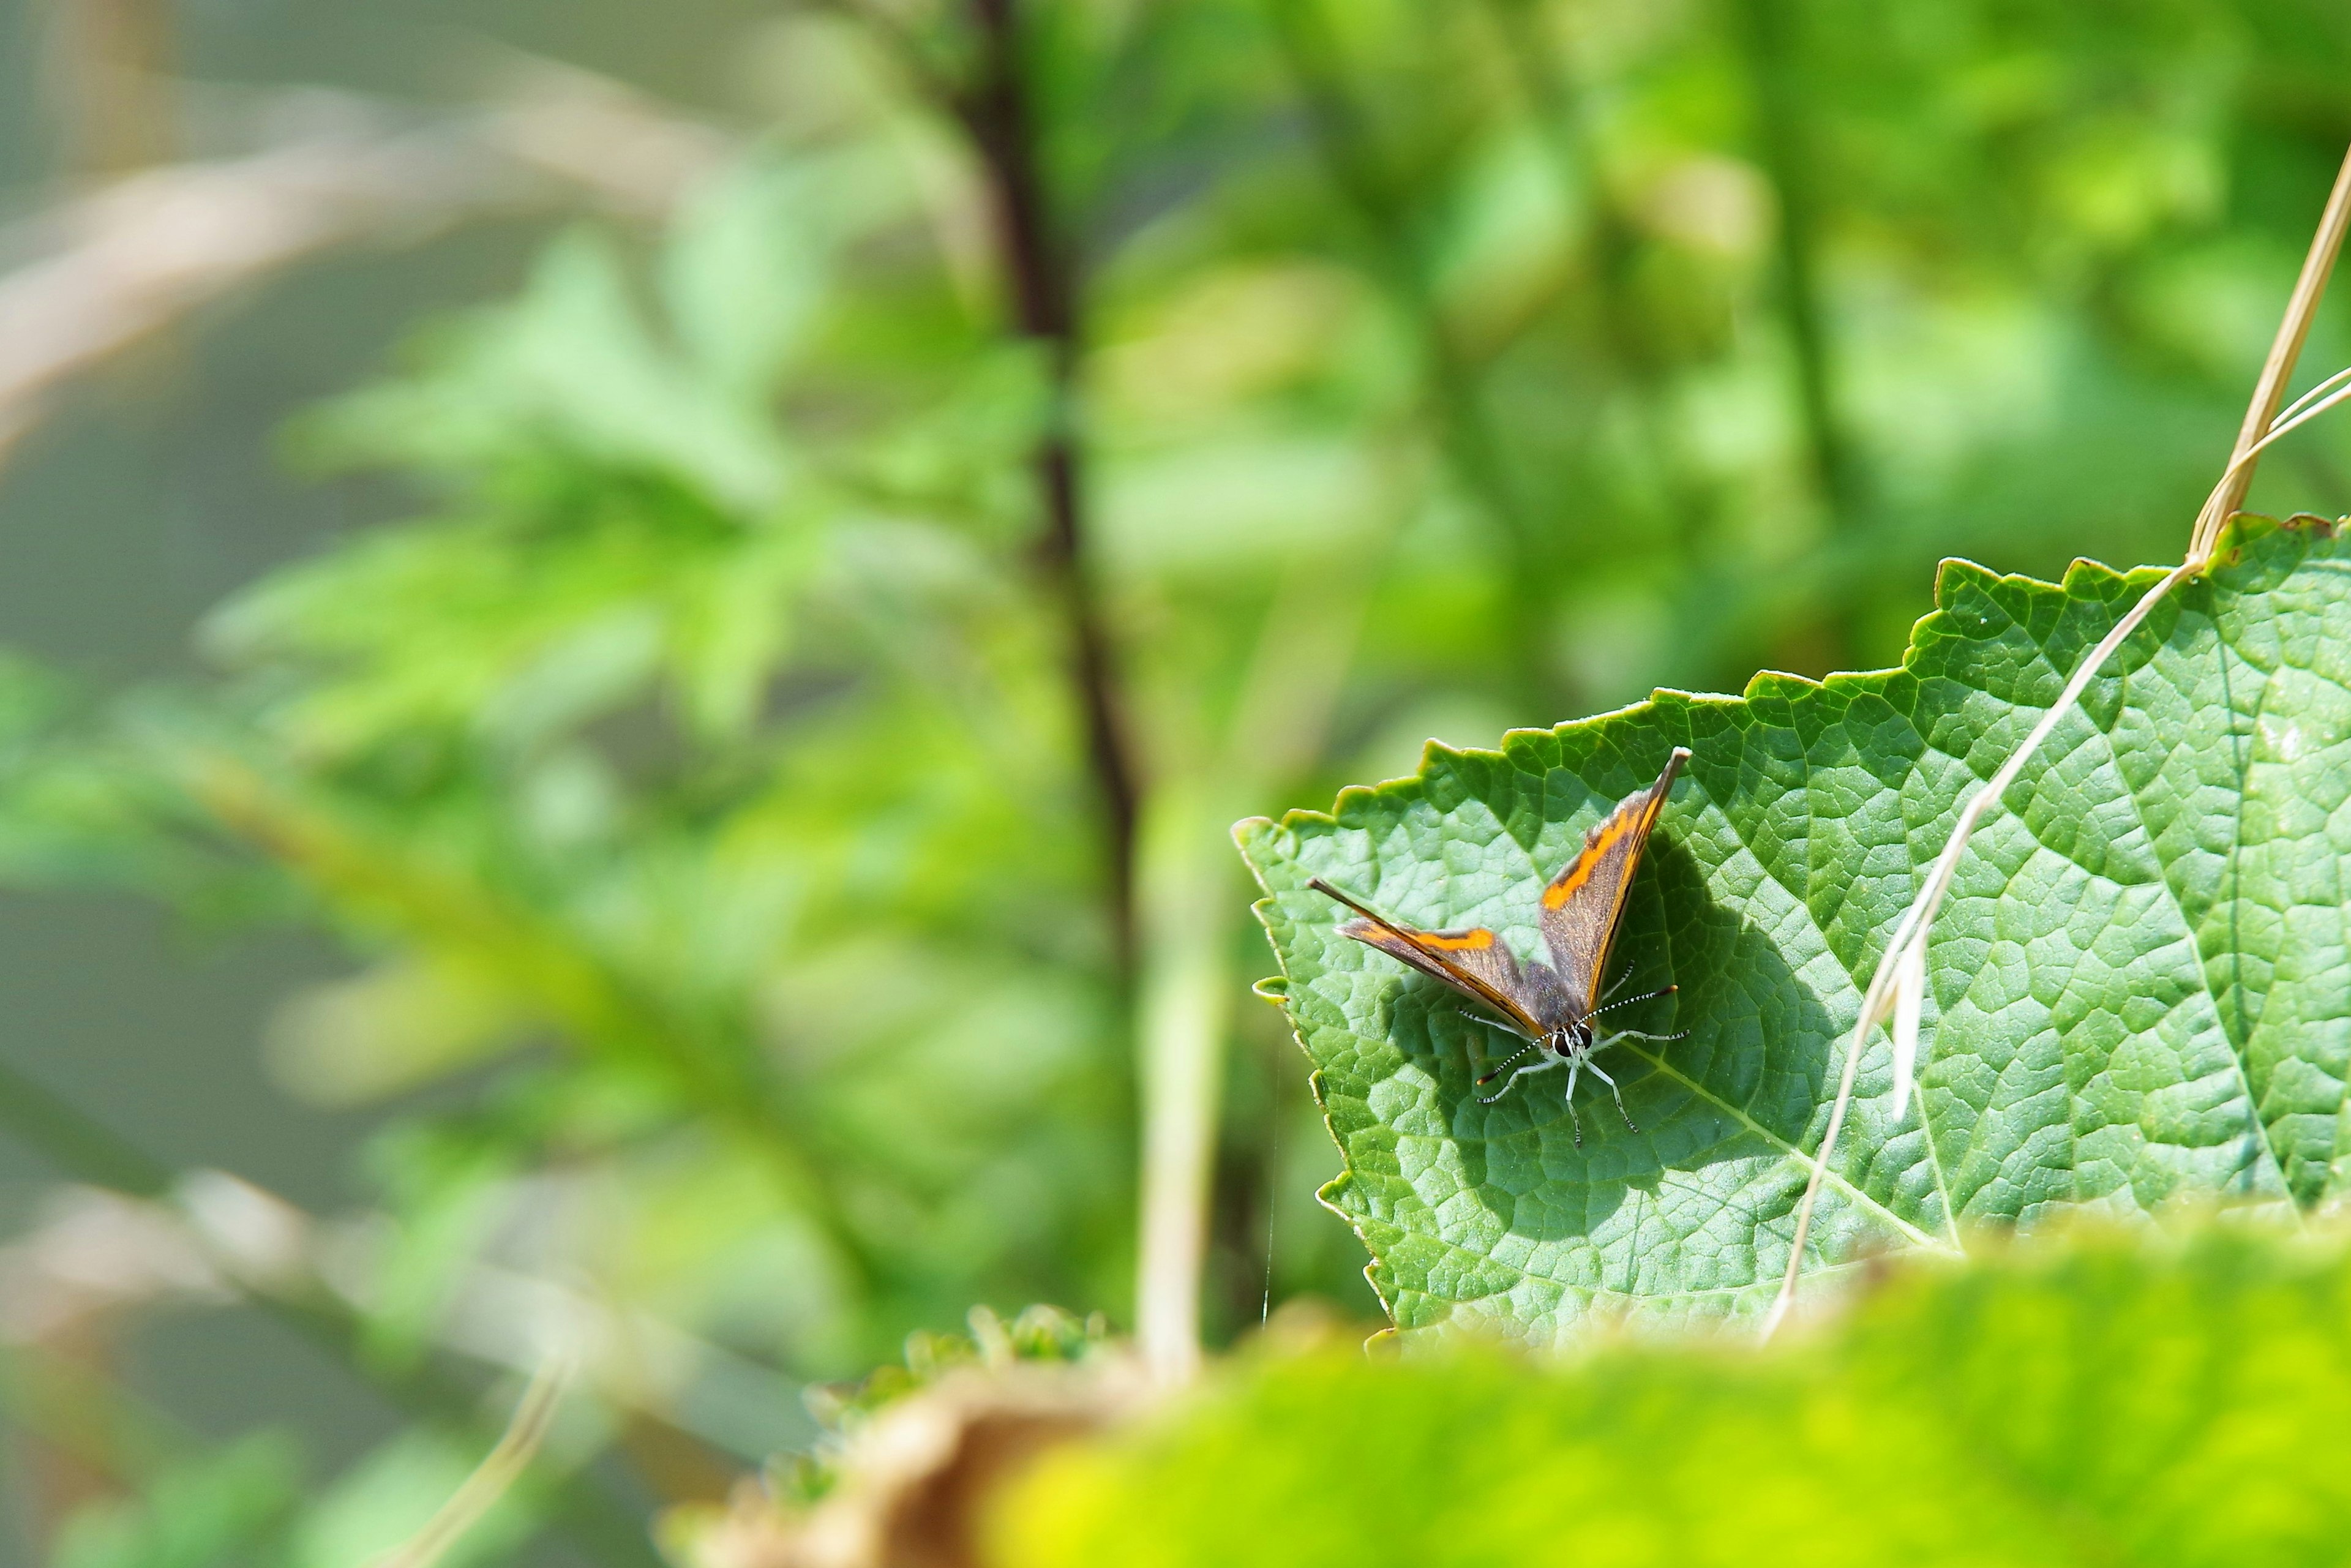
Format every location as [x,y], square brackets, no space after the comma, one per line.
[132,258]
[996,112]
[2269,391]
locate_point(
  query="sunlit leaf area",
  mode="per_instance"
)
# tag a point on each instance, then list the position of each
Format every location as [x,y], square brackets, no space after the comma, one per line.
[630,639]
[2124,1019]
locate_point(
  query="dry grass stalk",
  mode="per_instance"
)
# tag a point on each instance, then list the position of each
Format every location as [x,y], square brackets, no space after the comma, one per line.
[505,1463]
[137,256]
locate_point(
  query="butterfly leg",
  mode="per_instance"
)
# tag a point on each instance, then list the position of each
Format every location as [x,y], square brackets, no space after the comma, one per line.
[1574,1067]
[1601,1074]
[1546,1064]
[1641,1034]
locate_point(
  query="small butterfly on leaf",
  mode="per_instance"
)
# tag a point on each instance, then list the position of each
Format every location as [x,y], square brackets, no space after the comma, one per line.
[1550,1006]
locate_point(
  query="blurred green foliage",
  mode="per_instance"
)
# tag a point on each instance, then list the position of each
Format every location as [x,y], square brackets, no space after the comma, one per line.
[2111,1401]
[732,866]
[248,1504]
[222,1507]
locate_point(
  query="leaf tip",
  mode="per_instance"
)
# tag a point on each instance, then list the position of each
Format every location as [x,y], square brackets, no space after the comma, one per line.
[1765,685]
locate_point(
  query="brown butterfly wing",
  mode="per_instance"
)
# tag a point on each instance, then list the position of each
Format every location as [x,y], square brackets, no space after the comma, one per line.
[1475,962]
[1585,903]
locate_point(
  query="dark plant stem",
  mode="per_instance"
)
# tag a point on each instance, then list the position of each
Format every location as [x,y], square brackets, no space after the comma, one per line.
[90,1152]
[74,1143]
[1768,33]
[1559,120]
[1342,137]
[1769,37]
[1630,351]
[997,113]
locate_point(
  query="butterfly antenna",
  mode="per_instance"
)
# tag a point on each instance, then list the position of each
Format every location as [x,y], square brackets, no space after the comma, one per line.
[1509,1029]
[1628,1002]
[1505,1066]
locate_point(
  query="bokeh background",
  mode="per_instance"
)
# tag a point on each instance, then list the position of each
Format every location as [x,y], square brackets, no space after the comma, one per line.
[630,632]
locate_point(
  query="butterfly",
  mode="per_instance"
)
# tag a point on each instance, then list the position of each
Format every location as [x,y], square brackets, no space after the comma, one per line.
[1550,1006]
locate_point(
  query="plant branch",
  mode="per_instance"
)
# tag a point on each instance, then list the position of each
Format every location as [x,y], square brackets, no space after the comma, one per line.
[1184,1016]
[997,113]
[1878,1002]
[116,102]
[1279,725]
[75,1143]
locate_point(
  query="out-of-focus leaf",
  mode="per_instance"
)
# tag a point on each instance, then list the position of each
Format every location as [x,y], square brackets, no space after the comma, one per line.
[388,1029]
[227,1510]
[750,264]
[569,369]
[2136,992]
[511,639]
[2112,1400]
[391,1494]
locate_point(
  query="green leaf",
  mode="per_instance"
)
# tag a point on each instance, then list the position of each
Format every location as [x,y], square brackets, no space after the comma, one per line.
[2139,990]
[223,1508]
[2119,1400]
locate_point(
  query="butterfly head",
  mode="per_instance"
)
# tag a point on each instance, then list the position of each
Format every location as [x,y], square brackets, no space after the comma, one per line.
[1570,1040]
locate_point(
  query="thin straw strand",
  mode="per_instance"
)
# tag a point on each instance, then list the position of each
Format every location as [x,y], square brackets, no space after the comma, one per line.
[499,1469]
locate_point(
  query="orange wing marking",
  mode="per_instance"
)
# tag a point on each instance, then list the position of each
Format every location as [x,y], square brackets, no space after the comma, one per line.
[1426,952]
[1556,895]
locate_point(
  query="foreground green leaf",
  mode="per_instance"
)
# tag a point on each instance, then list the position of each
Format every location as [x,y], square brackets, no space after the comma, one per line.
[2140,987]
[2116,1401]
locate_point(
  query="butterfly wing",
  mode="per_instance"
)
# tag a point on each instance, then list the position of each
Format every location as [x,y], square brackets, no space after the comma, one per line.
[1476,962]
[1585,903]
